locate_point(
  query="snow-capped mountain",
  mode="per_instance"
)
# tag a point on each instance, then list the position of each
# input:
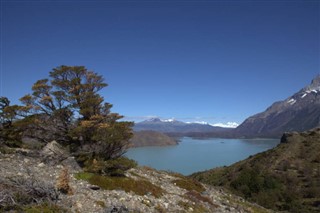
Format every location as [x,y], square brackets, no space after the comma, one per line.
[226,125]
[298,112]
[174,126]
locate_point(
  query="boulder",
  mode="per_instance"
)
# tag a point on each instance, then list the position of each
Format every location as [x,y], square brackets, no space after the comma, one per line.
[53,153]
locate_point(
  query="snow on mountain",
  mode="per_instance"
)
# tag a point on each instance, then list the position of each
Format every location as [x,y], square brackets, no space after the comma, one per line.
[299,112]
[168,120]
[172,120]
[226,125]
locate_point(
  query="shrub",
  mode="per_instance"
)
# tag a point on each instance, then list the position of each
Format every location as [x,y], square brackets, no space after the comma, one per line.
[139,187]
[113,167]
[189,184]
[63,182]
[17,193]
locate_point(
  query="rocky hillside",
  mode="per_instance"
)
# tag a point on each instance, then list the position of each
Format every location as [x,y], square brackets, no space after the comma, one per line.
[299,112]
[286,178]
[39,182]
[151,138]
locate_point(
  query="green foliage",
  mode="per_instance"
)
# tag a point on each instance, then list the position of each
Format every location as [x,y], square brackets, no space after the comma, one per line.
[44,208]
[192,207]
[68,108]
[9,134]
[112,167]
[286,178]
[139,187]
[250,182]
[189,184]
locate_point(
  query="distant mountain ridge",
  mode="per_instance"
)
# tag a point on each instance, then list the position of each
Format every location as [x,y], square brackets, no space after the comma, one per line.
[298,112]
[174,126]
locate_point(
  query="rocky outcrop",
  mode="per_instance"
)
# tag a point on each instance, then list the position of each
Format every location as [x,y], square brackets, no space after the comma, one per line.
[176,193]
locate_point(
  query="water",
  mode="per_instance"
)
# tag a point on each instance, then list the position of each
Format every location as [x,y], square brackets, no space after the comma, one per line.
[193,155]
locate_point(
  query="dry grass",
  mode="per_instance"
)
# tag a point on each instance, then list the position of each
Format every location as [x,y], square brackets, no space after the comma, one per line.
[189,184]
[63,182]
[195,196]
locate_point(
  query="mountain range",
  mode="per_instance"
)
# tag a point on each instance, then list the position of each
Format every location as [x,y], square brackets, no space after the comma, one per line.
[174,126]
[298,112]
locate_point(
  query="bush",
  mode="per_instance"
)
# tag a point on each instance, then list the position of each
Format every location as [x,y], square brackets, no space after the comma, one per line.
[113,167]
[139,187]
[63,182]
[17,193]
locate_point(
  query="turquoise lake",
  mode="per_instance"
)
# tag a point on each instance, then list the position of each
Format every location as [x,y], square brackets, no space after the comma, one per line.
[193,155]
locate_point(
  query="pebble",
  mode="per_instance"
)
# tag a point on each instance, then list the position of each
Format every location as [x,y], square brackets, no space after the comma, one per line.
[41,165]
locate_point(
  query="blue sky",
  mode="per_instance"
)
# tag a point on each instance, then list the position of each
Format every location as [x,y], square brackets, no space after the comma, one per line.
[215,61]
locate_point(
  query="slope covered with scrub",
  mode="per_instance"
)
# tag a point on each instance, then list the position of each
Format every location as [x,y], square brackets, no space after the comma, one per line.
[286,177]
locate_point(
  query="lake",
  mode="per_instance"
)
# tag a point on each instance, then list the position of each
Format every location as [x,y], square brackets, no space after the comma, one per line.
[193,155]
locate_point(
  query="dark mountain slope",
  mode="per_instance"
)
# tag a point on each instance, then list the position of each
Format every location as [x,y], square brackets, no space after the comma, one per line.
[284,178]
[173,126]
[299,112]
[151,138]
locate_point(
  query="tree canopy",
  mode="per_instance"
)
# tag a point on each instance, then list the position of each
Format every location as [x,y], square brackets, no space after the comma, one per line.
[68,108]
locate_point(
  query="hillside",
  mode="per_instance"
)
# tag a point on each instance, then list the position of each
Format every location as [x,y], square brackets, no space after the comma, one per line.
[284,178]
[299,112]
[32,181]
[151,138]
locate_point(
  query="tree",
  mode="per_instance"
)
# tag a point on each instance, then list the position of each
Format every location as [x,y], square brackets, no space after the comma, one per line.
[68,108]
[9,134]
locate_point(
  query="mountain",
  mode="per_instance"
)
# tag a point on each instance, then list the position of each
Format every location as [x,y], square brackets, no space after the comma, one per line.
[285,178]
[298,112]
[151,138]
[174,126]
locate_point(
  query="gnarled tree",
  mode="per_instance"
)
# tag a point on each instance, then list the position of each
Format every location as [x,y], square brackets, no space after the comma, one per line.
[68,108]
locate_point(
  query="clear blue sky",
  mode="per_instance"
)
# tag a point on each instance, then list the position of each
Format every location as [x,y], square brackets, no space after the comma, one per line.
[215,61]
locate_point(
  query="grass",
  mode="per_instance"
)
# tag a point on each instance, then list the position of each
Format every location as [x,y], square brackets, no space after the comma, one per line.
[44,208]
[189,207]
[248,206]
[139,187]
[196,197]
[189,184]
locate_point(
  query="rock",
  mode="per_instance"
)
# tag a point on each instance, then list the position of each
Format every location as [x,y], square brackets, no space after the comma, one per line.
[166,205]
[87,197]
[121,209]
[93,187]
[41,165]
[72,164]
[53,153]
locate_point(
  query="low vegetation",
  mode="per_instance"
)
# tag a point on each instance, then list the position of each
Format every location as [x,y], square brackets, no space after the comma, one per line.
[26,193]
[189,184]
[286,178]
[139,187]
[67,108]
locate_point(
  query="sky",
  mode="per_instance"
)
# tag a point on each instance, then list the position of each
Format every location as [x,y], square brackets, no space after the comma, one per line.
[213,61]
